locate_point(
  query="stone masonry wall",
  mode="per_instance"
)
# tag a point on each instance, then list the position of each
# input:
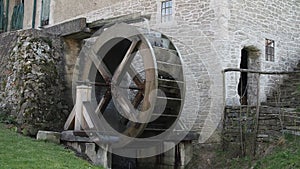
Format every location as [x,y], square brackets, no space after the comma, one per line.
[32,81]
[250,23]
[279,114]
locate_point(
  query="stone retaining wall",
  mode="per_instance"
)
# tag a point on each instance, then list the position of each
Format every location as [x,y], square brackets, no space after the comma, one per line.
[279,114]
[32,81]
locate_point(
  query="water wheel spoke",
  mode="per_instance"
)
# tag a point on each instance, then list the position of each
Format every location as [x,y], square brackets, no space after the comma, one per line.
[136,77]
[100,65]
[104,102]
[126,106]
[126,62]
[138,99]
[135,102]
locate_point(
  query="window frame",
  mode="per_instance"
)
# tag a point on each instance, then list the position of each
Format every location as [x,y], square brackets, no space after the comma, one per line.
[166,11]
[270,50]
[45,22]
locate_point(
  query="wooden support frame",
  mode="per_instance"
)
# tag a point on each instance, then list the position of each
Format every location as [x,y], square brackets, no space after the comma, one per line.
[83,117]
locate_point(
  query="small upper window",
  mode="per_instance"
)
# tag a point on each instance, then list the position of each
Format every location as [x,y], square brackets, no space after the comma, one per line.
[270,50]
[166,11]
[45,12]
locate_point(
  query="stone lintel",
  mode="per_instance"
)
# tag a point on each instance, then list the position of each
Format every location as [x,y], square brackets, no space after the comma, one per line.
[130,18]
[80,29]
[68,28]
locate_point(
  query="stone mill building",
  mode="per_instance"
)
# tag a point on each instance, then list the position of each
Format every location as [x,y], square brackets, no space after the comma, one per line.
[211,36]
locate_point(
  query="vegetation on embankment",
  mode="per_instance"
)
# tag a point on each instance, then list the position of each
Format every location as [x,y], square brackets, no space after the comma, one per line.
[284,154]
[20,152]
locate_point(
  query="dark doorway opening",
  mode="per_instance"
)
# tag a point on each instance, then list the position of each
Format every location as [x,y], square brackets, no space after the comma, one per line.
[243,82]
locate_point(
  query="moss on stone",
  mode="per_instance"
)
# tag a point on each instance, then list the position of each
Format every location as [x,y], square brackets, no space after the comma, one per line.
[34,87]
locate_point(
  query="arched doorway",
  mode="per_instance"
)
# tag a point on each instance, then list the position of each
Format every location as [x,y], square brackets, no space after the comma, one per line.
[243,81]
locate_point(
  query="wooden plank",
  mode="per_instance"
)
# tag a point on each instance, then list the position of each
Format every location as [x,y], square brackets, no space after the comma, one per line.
[131,18]
[78,111]
[169,92]
[103,102]
[93,117]
[87,118]
[83,94]
[167,55]
[71,137]
[170,71]
[260,72]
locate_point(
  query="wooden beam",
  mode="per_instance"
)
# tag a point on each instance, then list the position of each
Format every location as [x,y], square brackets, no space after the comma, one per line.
[131,18]
[87,118]
[83,94]
[70,136]
[93,117]
[260,72]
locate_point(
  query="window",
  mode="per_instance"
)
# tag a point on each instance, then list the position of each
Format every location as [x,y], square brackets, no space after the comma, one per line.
[270,50]
[45,12]
[1,16]
[17,15]
[166,11]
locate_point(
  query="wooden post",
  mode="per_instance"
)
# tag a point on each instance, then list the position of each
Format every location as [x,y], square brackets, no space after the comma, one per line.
[257,115]
[224,108]
[83,94]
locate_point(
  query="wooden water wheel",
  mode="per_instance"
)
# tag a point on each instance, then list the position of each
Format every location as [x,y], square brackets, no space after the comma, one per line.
[137,79]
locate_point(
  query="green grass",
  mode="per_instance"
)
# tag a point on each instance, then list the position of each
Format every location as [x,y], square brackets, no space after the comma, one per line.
[19,152]
[286,156]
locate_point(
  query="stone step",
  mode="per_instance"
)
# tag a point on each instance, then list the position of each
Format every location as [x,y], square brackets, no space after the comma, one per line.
[49,136]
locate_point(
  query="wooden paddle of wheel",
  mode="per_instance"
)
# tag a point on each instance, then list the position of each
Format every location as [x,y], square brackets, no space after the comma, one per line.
[137,80]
